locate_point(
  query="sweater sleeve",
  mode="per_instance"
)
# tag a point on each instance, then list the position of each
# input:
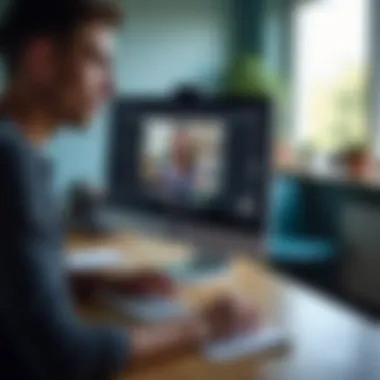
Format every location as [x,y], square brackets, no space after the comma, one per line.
[34,296]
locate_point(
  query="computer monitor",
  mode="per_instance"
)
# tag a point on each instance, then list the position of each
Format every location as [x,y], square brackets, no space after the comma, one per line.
[204,161]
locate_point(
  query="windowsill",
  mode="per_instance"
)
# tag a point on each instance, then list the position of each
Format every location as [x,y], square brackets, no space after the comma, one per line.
[368,177]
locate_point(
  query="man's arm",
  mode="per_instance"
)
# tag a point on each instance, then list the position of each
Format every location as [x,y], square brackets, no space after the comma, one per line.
[34,295]
[224,318]
[145,282]
[168,341]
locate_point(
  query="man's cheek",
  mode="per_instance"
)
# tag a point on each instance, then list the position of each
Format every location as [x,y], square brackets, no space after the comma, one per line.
[92,87]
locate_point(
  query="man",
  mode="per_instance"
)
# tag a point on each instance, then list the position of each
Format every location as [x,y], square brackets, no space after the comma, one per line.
[58,61]
[178,175]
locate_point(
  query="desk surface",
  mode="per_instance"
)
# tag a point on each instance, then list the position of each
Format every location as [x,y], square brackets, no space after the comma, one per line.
[244,278]
[328,341]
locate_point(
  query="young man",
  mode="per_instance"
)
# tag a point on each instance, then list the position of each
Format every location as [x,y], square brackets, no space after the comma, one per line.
[58,58]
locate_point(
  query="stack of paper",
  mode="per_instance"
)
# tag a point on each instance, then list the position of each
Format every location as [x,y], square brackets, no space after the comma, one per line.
[92,260]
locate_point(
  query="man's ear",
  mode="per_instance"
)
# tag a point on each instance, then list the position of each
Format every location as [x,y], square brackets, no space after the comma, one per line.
[39,60]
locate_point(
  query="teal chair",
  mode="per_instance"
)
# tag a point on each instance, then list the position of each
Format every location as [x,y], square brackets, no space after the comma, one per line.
[303,233]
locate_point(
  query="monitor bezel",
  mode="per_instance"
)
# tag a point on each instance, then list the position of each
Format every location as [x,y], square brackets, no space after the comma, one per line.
[142,105]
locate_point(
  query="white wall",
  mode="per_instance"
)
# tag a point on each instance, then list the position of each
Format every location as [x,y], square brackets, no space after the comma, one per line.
[162,43]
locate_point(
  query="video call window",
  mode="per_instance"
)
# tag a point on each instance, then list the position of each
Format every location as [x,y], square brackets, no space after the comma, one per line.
[182,159]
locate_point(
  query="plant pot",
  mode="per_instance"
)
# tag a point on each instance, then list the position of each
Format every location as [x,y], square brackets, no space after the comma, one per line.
[356,163]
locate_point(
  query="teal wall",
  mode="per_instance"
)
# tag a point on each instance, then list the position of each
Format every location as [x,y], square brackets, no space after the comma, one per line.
[250,20]
[262,27]
[162,43]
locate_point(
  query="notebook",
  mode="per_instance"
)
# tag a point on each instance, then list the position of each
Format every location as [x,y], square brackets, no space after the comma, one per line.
[94,259]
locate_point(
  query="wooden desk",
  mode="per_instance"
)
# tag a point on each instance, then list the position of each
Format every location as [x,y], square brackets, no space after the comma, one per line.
[246,278]
[328,341]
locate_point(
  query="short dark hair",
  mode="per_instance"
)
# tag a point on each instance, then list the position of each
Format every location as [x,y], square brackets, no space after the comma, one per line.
[25,20]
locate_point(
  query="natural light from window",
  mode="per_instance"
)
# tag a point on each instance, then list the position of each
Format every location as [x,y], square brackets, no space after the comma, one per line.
[331,67]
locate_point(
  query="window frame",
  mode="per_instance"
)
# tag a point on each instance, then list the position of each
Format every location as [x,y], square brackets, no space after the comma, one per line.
[287,61]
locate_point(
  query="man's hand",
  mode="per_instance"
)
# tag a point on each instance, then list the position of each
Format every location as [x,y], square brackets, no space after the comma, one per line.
[222,319]
[147,283]
[227,317]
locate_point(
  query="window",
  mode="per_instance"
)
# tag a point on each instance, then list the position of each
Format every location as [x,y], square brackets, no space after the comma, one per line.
[331,71]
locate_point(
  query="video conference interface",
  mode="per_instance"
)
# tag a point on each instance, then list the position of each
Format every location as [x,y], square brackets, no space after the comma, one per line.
[182,160]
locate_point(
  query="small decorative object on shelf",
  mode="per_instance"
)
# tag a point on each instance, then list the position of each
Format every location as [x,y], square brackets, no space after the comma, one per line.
[356,160]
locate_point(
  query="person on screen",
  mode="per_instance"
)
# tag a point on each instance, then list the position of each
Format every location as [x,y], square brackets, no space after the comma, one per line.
[58,57]
[178,172]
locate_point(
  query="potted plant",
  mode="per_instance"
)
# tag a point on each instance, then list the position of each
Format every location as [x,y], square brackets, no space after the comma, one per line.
[248,76]
[355,159]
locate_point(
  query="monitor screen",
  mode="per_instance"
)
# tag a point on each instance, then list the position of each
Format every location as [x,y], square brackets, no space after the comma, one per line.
[209,161]
[181,160]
